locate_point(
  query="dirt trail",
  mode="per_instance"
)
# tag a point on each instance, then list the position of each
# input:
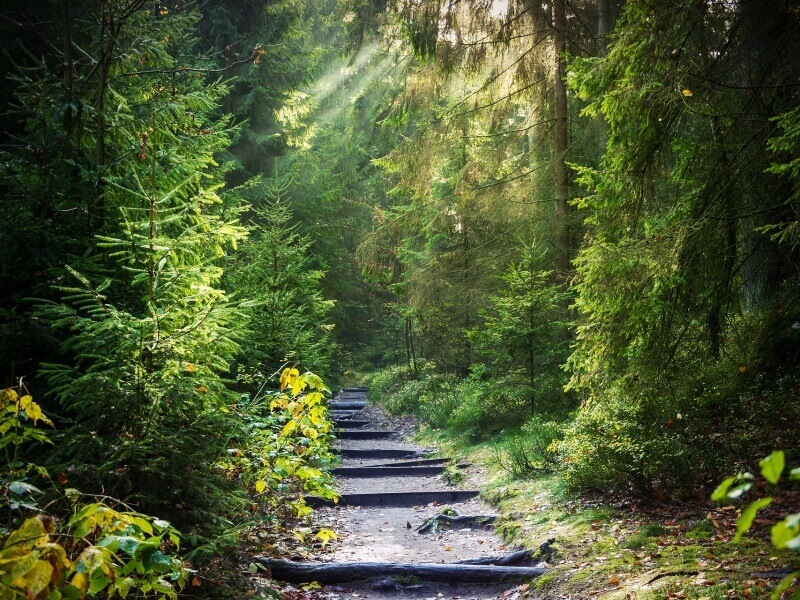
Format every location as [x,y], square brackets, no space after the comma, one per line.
[389,534]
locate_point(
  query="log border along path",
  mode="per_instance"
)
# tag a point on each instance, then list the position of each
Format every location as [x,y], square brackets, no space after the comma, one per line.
[373,455]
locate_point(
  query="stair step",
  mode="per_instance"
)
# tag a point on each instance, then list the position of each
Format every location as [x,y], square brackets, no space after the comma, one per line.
[388,471]
[350,423]
[365,434]
[347,404]
[377,453]
[396,499]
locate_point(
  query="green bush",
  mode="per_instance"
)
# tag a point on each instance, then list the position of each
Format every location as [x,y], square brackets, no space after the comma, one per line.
[484,408]
[676,438]
[533,449]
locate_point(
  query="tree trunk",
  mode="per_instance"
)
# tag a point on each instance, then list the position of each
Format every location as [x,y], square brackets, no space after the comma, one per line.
[68,66]
[560,174]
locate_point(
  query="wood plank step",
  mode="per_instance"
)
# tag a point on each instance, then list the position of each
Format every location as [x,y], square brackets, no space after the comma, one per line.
[420,462]
[390,471]
[344,572]
[376,453]
[342,414]
[365,434]
[350,423]
[347,404]
[396,499]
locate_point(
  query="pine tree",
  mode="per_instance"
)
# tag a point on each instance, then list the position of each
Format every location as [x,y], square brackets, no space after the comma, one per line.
[280,279]
[148,332]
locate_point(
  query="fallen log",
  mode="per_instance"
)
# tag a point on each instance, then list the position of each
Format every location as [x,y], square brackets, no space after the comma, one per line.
[395,499]
[329,573]
[455,522]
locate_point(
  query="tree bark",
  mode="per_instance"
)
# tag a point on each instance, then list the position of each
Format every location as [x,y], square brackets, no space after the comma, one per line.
[68,66]
[560,174]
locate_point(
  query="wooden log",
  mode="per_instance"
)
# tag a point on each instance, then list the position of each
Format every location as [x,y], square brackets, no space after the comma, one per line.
[350,423]
[365,434]
[422,462]
[355,388]
[395,499]
[350,395]
[343,414]
[376,453]
[388,471]
[328,573]
[520,557]
[347,404]
[433,524]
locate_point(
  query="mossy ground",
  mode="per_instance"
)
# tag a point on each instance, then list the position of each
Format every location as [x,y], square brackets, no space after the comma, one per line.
[615,547]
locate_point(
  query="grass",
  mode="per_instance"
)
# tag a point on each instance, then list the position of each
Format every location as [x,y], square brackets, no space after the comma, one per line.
[620,548]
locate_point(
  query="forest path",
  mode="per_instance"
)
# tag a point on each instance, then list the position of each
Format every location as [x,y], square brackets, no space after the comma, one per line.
[390,487]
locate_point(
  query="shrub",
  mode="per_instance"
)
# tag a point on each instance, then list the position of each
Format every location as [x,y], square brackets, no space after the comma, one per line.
[533,449]
[100,549]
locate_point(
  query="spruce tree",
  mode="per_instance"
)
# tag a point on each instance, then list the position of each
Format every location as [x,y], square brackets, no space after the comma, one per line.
[281,281]
[148,331]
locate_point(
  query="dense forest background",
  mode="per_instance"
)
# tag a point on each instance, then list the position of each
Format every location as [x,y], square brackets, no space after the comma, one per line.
[572,224]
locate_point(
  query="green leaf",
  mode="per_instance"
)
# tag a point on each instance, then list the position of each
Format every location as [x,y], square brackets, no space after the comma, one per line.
[772,466]
[723,491]
[784,585]
[20,487]
[785,536]
[745,520]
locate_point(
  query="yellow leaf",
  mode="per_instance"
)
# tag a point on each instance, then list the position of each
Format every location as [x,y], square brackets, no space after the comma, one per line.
[325,535]
[260,486]
[25,402]
[36,580]
[310,433]
[289,427]
[34,411]
[687,93]
[81,581]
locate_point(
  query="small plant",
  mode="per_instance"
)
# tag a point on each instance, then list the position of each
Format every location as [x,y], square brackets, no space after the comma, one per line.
[100,549]
[290,443]
[18,418]
[785,533]
[532,450]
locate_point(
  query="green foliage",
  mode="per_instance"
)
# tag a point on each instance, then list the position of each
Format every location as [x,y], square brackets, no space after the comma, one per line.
[147,332]
[784,533]
[532,450]
[276,272]
[524,332]
[285,451]
[18,418]
[99,549]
